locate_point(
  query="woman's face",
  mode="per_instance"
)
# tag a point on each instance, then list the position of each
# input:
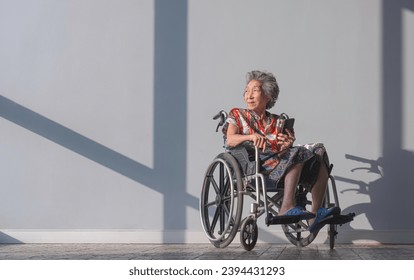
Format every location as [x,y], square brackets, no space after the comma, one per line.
[254,97]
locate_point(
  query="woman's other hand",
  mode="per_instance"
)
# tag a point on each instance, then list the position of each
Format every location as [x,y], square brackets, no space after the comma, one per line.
[285,141]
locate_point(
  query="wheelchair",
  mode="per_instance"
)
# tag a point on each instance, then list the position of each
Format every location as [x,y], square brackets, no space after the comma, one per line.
[234,174]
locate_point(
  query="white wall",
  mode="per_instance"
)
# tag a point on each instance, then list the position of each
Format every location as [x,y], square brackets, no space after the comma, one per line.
[106,110]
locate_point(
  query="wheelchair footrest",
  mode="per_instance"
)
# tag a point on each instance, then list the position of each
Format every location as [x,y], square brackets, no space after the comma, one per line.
[341,219]
[277,220]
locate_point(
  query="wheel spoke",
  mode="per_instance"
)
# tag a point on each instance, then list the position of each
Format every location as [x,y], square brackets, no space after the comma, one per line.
[222,218]
[226,185]
[227,210]
[214,221]
[226,199]
[221,177]
[214,183]
[208,204]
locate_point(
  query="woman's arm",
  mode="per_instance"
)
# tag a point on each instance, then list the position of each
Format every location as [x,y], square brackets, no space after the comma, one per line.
[234,138]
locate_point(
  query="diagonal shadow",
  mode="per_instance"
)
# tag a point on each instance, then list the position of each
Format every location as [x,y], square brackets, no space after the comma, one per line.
[7,239]
[170,121]
[74,141]
[83,146]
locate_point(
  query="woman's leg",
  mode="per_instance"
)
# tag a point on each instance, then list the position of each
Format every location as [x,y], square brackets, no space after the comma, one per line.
[318,194]
[319,188]
[291,182]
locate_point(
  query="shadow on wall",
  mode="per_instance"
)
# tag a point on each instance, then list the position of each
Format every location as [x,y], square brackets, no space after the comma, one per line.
[392,194]
[170,107]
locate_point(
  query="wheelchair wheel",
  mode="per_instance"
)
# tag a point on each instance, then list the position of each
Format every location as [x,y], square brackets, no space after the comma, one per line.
[221,202]
[332,235]
[298,233]
[248,233]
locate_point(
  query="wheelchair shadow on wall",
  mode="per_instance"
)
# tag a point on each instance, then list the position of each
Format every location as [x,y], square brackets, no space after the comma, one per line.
[390,195]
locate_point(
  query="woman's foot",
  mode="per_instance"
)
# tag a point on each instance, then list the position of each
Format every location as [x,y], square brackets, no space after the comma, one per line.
[298,212]
[321,216]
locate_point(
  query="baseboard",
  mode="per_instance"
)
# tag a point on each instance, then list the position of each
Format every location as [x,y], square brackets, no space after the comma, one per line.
[181,237]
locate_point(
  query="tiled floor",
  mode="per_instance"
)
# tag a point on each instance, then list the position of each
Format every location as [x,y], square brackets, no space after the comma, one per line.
[203,252]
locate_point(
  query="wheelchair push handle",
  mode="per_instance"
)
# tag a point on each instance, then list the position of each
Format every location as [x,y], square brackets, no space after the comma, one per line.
[223,116]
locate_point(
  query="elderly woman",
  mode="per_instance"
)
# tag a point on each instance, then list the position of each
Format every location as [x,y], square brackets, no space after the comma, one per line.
[282,162]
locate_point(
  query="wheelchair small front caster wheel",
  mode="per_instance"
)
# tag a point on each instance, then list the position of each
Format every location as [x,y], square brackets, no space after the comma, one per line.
[332,235]
[248,233]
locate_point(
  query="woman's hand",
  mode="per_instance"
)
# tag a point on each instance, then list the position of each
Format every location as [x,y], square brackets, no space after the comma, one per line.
[258,140]
[285,141]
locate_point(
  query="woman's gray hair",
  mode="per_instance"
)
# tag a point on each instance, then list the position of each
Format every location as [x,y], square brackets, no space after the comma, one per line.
[269,85]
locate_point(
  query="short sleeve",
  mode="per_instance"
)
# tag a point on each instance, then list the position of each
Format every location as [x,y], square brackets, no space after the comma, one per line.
[232,118]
